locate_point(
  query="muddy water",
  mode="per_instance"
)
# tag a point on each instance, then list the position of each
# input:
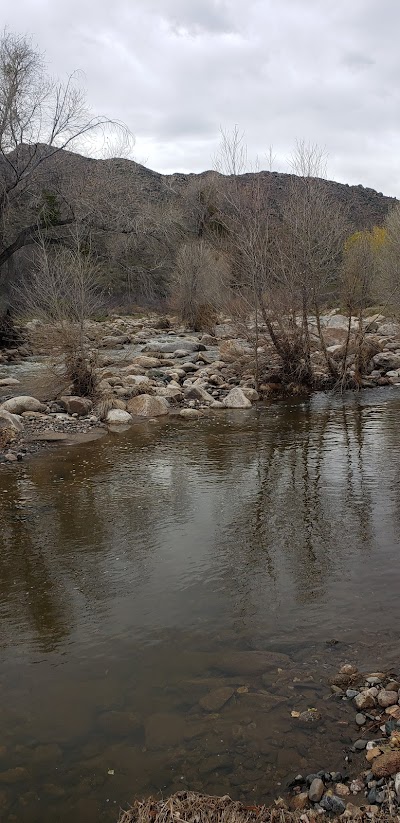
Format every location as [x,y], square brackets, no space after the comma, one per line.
[143,571]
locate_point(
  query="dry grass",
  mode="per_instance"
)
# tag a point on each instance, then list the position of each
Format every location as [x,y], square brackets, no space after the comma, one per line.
[190,807]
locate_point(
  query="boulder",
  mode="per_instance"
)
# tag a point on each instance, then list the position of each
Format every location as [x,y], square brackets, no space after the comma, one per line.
[17,405]
[236,399]
[146,362]
[216,699]
[10,421]
[190,414]
[114,342]
[188,345]
[118,417]
[386,360]
[389,330]
[146,405]
[138,380]
[9,381]
[197,392]
[76,405]
[316,790]
[386,765]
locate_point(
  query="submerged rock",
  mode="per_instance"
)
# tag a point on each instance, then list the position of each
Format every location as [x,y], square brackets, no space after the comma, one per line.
[216,699]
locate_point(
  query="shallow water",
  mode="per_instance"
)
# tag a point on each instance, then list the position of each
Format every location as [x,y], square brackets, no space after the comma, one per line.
[142,571]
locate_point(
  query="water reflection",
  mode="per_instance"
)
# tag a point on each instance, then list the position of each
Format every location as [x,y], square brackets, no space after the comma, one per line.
[131,567]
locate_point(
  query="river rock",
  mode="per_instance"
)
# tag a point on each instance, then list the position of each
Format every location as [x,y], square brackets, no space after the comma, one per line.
[9,381]
[114,341]
[387,698]
[190,414]
[363,700]
[197,392]
[22,403]
[119,724]
[360,719]
[147,362]
[76,405]
[10,421]
[216,699]
[16,775]
[146,405]
[333,803]
[140,380]
[236,399]
[397,784]
[389,330]
[386,765]
[118,417]
[316,790]
[163,730]
[386,360]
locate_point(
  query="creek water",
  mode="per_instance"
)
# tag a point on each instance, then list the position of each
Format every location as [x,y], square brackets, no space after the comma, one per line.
[142,571]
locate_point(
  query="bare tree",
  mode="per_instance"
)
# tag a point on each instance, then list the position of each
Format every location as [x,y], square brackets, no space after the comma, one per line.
[64,293]
[38,118]
[199,282]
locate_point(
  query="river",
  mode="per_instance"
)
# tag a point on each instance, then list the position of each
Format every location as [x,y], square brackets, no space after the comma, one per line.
[142,571]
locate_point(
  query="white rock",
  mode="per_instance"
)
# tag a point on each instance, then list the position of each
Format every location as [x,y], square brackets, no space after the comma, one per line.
[118,417]
[236,399]
[17,405]
[10,421]
[9,381]
[190,414]
[146,405]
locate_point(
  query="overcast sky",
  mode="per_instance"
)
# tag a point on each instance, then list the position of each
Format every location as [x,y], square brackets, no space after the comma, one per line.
[175,71]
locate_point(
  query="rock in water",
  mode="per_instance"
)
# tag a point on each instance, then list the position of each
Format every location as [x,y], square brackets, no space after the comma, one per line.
[316,790]
[236,399]
[216,699]
[22,403]
[145,405]
[118,417]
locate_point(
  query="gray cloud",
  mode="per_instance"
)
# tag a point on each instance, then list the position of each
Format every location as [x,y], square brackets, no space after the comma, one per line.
[177,70]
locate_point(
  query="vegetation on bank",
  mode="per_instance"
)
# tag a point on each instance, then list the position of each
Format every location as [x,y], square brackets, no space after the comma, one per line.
[219,244]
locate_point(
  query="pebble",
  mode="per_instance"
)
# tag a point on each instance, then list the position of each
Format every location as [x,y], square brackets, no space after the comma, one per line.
[350,693]
[316,790]
[386,698]
[360,719]
[332,803]
[360,745]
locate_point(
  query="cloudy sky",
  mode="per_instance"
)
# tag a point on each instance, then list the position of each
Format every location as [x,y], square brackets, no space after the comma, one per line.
[176,71]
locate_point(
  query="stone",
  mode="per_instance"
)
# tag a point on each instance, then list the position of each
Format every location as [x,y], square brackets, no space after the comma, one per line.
[138,380]
[387,764]
[357,785]
[10,421]
[386,360]
[216,699]
[360,745]
[197,392]
[171,392]
[373,753]
[363,700]
[316,790]
[393,686]
[146,405]
[348,668]
[118,417]
[146,362]
[342,790]
[251,394]
[360,719]
[236,399]
[10,457]
[333,803]
[386,698]
[389,330]
[190,414]
[114,342]
[394,712]
[299,802]
[350,693]
[76,405]
[9,381]
[397,784]
[373,680]
[16,775]
[188,345]
[22,403]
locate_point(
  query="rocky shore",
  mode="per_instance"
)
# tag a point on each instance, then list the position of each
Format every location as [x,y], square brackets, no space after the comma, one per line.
[150,367]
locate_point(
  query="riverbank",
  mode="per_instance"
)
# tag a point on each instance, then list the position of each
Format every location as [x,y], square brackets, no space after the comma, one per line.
[372,793]
[197,808]
[151,367]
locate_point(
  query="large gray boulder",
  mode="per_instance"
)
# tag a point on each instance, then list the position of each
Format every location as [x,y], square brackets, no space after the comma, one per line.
[76,405]
[23,403]
[236,399]
[146,405]
[10,421]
